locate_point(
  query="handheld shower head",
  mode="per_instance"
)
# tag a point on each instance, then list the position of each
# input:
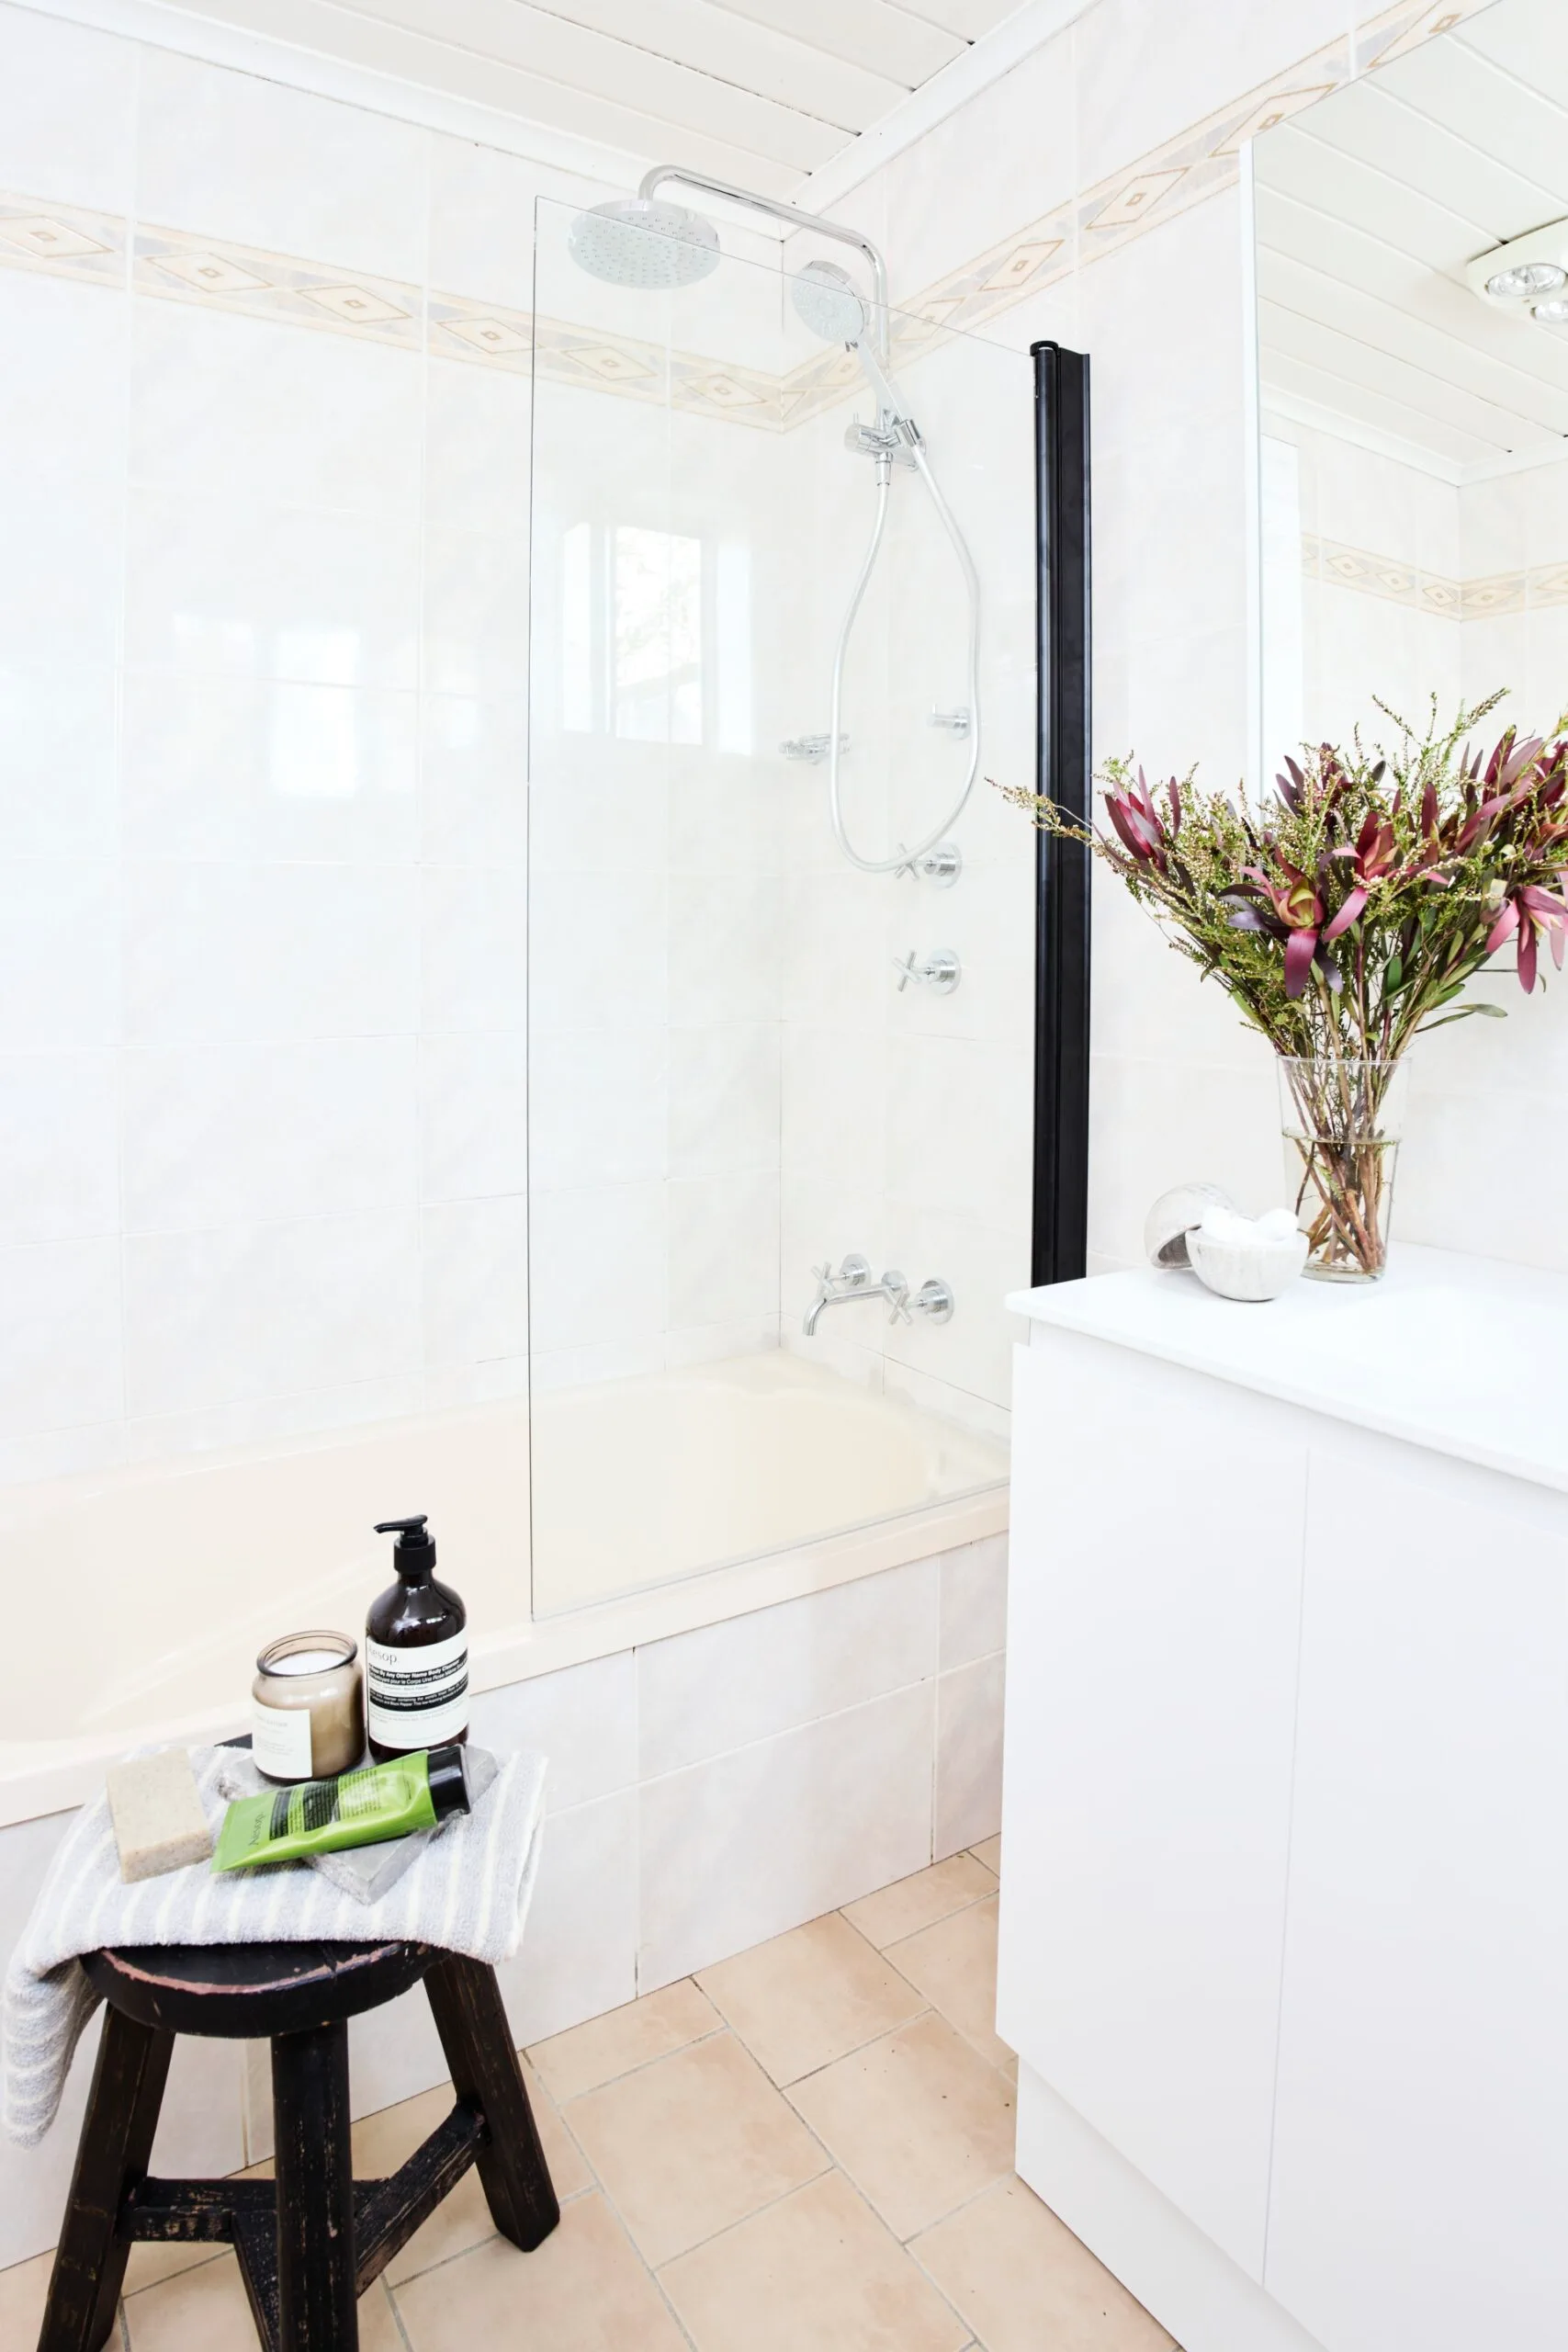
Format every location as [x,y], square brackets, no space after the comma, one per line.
[827,301]
[637,241]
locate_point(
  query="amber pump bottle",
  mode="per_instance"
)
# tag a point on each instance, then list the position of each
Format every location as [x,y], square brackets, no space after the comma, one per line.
[416,1652]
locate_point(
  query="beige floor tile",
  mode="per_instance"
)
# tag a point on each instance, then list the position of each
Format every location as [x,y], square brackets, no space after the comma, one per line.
[911,1904]
[596,2052]
[379,2329]
[692,2144]
[989,1852]
[1021,2279]
[382,2141]
[954,1965]
[199,2310]
[809,1996]
[150,2262]
[818,2268]
[918,2120]
[22,2291]
[582,2291]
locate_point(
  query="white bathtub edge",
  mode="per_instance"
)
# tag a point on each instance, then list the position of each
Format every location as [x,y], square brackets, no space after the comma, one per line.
[34,1782]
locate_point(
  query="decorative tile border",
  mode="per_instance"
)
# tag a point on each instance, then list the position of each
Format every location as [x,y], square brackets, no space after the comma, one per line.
[180,265]
[1338,566]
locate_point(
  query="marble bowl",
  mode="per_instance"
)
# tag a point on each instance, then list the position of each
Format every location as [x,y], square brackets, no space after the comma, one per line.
[1172,1219]
[1251,1271]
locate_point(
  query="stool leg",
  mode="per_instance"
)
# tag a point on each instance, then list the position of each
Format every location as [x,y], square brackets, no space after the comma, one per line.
[112,2156]
[316,2300]
[471,2017]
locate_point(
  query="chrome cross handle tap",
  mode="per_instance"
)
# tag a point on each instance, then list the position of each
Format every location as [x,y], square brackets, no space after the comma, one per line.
[941,865]
[933,1301]
[940,970]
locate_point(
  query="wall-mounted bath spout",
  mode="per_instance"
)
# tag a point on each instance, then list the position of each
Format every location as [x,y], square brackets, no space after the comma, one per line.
[852,1281]
[932,1301]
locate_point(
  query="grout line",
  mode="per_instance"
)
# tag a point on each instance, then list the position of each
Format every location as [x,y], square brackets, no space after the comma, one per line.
[642,2065]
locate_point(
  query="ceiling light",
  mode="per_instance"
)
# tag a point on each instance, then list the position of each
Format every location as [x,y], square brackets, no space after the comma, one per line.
[1527,278]
[1553,314]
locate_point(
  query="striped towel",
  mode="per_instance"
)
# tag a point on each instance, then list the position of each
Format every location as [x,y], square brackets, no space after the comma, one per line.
[467,1892]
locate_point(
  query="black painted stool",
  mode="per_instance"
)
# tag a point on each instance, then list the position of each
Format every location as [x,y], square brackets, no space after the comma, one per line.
[310,2245]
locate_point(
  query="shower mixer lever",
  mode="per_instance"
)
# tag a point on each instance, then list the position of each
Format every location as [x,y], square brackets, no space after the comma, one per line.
[940,970]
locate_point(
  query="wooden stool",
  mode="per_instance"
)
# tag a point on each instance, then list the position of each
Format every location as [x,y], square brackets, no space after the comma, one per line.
[310,2245]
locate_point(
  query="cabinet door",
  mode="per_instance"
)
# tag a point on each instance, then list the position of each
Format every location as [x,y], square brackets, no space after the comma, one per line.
[1420,2192]
[1154,1598]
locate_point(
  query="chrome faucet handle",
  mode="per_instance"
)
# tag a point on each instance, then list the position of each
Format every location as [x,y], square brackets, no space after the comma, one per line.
[896,1291]
[941,865]
[939,970]
[855,1271]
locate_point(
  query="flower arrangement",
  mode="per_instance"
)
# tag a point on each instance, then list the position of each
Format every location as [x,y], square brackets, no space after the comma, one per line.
[1346,916]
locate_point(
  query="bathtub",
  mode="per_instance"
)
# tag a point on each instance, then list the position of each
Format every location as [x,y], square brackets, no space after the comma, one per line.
[659,1504]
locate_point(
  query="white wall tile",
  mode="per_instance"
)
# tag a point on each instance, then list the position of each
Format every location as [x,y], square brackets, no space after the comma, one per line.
[740,1848]
[973,1601]
[242,590]
[243,1311]
[59,1146]
[473,1109]
[57,761]
[724,1112]
[475,1280]
[60,1337]
[474,778]
[249,159]
[968,1756]
[253,410]
[475,613]
[582,1719]
[236,950]
[475,938]
[579,1955]
[600,952]
[229,1133]
[258,768]
[599,1108]
[67,110]
[725,1685]
[477,451]
[597,1266]
[722,1249]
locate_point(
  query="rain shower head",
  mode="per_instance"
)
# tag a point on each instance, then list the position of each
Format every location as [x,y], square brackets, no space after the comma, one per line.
[637,241]
[828,302]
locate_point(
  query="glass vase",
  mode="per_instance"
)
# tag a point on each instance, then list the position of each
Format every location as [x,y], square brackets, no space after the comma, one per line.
[1342,1122]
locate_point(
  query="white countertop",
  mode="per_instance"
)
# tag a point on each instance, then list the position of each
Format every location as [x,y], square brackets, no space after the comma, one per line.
[1466,1355]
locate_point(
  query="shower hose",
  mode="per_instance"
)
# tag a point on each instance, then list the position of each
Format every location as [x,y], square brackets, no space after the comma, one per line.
[904,857]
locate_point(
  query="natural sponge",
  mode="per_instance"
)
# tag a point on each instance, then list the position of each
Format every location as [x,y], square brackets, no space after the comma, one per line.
[158,1821]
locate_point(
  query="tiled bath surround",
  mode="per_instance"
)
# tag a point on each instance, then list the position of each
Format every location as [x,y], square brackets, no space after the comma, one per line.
[705,1793]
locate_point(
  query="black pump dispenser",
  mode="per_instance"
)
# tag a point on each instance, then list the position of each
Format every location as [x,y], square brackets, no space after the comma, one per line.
[414,1554]
[416,1652]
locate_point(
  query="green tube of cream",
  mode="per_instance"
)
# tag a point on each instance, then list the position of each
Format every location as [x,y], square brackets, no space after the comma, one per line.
[359,1808]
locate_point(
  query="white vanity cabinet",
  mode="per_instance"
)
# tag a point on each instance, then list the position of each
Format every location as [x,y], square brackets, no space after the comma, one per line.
[1284,1947]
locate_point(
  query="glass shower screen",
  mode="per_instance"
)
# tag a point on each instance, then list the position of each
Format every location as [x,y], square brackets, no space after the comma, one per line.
[727,1086]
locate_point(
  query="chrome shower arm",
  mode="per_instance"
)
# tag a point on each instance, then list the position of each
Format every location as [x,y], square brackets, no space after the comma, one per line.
[776,210]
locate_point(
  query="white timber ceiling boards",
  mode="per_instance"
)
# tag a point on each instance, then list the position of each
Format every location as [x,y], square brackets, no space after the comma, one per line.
[1369,207]
[762,92]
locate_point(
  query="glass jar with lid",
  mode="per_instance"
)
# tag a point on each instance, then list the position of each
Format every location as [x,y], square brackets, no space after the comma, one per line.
[307,1708]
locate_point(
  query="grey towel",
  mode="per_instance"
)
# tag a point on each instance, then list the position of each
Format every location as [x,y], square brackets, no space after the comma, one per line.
[468,1891]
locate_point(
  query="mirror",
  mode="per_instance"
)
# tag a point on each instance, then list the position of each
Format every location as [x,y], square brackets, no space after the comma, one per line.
[1412,277]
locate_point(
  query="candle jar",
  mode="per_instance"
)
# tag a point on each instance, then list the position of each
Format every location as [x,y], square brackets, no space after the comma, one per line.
[306,1708]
